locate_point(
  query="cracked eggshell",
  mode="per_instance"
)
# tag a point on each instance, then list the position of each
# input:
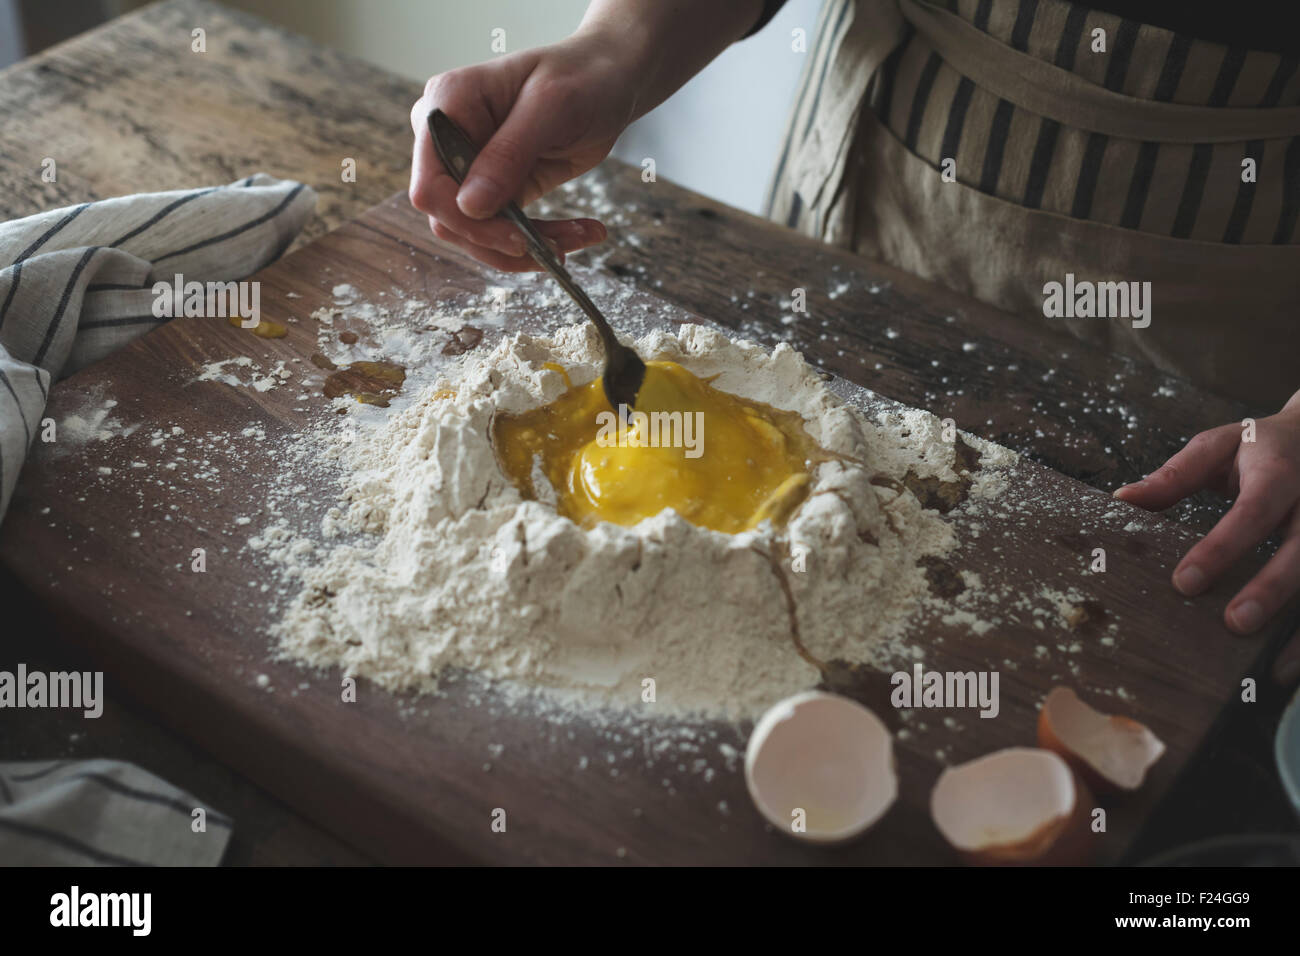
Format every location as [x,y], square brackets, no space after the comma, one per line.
[824,754]
[1112,753]
[1016,806]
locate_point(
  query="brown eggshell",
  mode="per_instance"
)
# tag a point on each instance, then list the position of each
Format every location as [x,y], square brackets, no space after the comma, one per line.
[988,784]
[1112,753]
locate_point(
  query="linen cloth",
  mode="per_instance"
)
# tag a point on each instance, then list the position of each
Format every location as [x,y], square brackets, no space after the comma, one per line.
[75,284]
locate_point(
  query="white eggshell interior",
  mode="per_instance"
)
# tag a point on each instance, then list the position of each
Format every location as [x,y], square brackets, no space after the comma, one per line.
[827,755]
[1120,750]
[1001,799]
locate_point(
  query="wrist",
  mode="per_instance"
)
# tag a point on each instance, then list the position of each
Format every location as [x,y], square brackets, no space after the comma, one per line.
[661,44]
[629,49]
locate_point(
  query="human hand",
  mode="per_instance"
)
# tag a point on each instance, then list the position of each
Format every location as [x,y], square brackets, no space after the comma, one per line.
[1263,476]
[539,117]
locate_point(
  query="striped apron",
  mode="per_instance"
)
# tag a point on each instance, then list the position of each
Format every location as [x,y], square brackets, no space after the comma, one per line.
[996,148]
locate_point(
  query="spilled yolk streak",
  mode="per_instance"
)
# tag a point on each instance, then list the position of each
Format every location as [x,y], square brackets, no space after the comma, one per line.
[720,461]
[264,329]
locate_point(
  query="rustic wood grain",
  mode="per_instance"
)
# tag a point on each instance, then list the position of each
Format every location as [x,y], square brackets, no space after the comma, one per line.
[128,107]
[417,780]
[1092,415]
[267,832]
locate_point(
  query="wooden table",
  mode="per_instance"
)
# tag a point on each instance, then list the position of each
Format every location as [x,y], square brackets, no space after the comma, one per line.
[129,107]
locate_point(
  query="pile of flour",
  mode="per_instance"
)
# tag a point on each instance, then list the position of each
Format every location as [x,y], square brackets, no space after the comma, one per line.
[432,563]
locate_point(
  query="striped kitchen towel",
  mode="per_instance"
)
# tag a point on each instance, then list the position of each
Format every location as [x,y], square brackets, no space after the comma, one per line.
[103,813]
[76,283]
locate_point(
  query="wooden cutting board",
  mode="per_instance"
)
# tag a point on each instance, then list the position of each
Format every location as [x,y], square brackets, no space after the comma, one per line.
[103,532]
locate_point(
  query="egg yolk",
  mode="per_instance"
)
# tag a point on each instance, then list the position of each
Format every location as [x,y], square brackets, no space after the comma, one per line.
[718,460]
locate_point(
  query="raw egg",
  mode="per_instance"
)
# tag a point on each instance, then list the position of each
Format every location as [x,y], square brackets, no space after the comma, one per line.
[718,460]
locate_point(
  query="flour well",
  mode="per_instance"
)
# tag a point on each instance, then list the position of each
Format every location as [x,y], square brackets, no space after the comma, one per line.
[432,563]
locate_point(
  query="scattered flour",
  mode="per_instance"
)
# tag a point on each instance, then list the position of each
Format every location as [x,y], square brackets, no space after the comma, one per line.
[432,564]
[243,371]
[95,421]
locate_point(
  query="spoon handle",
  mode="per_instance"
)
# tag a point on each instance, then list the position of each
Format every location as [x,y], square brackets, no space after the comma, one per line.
[457,154]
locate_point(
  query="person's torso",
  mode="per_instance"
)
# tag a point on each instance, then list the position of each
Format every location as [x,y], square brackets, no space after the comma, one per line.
[996,146]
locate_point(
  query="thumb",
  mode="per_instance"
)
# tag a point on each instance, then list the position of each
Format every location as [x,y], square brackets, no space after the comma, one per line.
[504,164]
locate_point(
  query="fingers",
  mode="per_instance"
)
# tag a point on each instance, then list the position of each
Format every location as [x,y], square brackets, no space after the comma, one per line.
[433,191]
[503,165]
[570,235]
[1205,460]
[1274,585]
[1265,500]
[489,257]
[565,236]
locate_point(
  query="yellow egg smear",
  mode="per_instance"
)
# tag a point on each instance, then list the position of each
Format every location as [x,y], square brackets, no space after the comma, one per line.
[718,460]
[264,329]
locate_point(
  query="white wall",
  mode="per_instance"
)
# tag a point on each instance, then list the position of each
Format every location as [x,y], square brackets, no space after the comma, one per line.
[719,134]
[418,38]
